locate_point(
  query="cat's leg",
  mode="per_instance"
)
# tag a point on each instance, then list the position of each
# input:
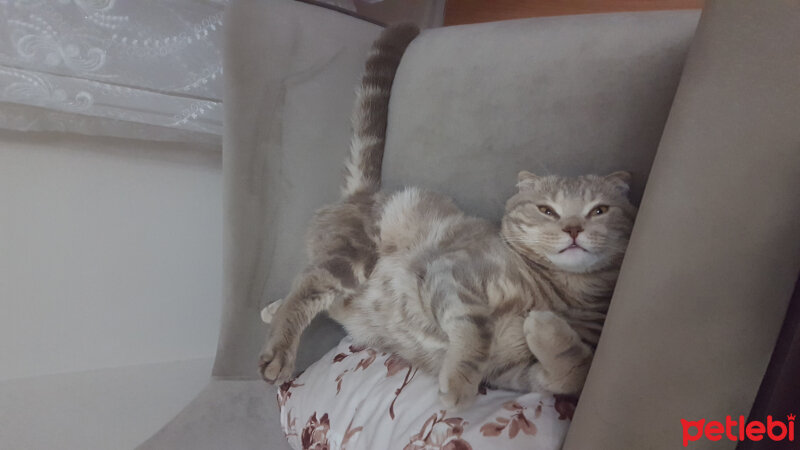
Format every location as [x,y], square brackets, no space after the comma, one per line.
[564,359]
[522,377]
[469,332]
[312,292]
[465,359]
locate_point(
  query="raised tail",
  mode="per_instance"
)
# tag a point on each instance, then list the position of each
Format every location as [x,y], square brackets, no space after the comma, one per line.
[363,167]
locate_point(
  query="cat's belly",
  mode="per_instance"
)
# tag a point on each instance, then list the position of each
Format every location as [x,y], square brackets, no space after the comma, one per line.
[427,350]
[389,312]
[423,352]
[389,316]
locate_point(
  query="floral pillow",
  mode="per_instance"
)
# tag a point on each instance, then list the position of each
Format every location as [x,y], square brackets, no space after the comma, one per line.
[358,398]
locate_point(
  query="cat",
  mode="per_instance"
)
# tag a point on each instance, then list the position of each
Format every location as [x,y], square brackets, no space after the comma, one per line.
[519,306]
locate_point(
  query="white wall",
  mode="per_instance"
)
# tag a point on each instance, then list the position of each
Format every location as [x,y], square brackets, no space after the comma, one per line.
[110,253]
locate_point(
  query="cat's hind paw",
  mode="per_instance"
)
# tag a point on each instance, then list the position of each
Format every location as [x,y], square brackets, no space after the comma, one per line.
[547,333]
[457,399]
[276,365]
[455,392]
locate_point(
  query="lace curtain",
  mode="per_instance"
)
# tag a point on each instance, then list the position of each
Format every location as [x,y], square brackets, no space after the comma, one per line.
[127,68]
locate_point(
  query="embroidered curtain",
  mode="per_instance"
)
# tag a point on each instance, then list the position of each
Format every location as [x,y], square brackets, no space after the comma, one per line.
[127,68]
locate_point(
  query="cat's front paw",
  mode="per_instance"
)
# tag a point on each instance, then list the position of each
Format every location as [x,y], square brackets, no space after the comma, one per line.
[545,331]
[276,364]
[456,392]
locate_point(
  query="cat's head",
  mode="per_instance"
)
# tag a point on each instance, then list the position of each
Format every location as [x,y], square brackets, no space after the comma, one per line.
[578,225]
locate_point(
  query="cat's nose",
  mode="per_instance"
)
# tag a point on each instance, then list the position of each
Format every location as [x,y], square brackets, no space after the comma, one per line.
[573,230]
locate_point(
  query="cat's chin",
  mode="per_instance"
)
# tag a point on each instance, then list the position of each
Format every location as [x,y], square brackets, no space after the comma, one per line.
[575,260]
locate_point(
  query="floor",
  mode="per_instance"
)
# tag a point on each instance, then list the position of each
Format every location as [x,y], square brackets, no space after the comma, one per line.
[458,12]
[116,408]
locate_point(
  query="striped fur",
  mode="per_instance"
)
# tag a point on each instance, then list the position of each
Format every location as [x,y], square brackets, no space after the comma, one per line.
[520,306]
[363,167]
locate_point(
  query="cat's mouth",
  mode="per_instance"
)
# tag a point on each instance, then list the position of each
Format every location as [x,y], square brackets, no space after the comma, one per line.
[573,246]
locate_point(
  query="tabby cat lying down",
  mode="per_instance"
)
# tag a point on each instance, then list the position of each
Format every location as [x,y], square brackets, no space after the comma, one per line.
[520,307]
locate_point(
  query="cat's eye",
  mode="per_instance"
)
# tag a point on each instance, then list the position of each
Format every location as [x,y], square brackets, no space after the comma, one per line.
[547,211]
[599,210]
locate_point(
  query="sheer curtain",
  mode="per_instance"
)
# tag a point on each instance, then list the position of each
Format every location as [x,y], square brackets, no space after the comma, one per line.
[149,69]
[127,68]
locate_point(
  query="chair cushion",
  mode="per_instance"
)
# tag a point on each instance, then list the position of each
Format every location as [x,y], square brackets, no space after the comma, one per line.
[360,398]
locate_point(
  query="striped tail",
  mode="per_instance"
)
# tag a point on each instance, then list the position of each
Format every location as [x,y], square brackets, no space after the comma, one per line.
[363,167]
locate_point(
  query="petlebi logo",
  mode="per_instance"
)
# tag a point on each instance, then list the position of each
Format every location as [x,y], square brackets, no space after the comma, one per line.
[738,430]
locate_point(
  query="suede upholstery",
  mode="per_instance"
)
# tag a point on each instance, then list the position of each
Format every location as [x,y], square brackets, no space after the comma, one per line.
[290,74]
[714,255]
[471,106]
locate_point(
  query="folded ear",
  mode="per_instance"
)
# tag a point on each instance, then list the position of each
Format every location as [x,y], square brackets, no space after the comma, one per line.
[621,180]
[526,180]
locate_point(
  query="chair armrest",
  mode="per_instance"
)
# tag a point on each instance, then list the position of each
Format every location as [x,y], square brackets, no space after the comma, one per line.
[290,73]
[715,252]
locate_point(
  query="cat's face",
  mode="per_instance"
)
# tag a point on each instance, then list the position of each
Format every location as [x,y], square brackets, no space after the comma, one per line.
[573,224]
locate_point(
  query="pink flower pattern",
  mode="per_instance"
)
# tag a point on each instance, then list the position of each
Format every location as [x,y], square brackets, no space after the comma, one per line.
[395,364]
[565,406]
[315,434]
[515,423]
[363,364]
[438,432]
[285,391]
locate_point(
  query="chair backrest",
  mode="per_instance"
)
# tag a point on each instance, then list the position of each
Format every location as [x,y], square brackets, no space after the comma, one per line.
[473,105]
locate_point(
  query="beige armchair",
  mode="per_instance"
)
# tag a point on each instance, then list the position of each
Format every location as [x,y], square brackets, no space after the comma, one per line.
[712,139]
